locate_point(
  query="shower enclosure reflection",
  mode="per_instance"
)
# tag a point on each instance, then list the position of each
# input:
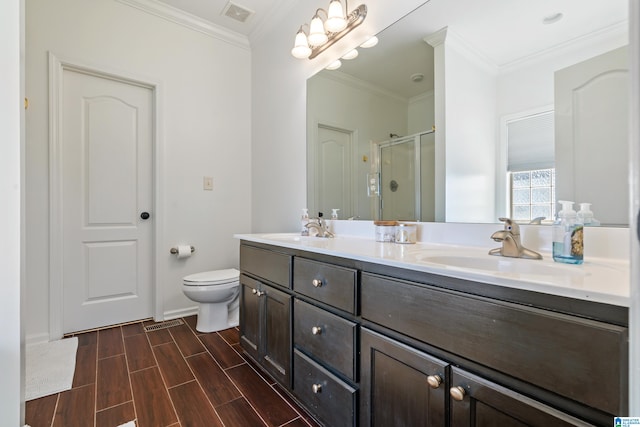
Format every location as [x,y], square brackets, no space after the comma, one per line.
[406,167]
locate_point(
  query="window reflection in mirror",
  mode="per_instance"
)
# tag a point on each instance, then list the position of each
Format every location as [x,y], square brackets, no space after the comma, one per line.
[497,65]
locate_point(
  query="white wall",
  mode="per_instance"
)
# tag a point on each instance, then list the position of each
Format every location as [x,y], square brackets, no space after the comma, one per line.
[634,179]
[12,125]
[421,113]
[470,134]
[205,92]
[528,84]
[278,109]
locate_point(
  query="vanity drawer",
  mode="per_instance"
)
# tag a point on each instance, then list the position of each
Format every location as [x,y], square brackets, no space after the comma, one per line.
[330,399]
[269,265]
[327,337]
[577,358]
[326,283]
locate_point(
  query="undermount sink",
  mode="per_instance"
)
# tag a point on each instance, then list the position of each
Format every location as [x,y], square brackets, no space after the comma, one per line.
[504,265]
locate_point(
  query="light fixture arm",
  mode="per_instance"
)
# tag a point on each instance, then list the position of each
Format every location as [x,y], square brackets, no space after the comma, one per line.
[354,19]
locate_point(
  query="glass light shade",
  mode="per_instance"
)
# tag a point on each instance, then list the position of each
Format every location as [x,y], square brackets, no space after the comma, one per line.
[317,36]
[370,43]
[336,20]
[301,49]
[350,55]
[334,65]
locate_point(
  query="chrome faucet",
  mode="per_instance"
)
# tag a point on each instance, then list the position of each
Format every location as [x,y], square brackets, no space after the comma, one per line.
[320,227]
[511,246]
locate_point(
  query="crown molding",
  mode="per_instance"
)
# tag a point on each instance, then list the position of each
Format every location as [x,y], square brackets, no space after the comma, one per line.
[187,20]
[349,80]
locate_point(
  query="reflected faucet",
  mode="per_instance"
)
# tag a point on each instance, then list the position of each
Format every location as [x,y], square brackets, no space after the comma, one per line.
[511,245]
[537,220]
[320,227]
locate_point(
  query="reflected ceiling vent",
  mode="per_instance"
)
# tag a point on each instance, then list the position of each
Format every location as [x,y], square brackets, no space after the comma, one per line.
[237,12]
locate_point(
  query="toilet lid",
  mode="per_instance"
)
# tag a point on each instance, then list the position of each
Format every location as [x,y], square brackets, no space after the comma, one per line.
[214,277]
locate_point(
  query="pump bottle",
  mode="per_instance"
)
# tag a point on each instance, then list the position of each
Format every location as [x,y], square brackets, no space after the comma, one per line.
[568,243]
[304,231]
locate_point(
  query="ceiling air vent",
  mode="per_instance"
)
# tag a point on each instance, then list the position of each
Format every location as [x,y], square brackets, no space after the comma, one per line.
[237,12]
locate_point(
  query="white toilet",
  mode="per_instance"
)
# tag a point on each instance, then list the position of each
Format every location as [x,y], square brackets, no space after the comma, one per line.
[217,294]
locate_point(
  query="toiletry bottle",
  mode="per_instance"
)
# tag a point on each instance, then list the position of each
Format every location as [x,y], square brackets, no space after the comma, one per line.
[568,244]
[334,213]
[304,231]
[585,216]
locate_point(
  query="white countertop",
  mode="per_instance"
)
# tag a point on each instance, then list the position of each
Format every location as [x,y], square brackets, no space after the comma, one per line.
[600,280]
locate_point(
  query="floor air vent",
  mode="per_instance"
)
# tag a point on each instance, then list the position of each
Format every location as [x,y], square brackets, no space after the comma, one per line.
[163,325]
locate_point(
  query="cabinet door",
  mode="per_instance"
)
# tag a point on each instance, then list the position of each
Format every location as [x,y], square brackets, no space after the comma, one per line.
[276,335]
[249,316]
[475,401]
[400,386]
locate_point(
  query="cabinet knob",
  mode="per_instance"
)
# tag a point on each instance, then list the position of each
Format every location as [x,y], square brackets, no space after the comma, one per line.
[317,388]
[434,381]
[457,393]
[254,291]
[260,293]
[316,283]
[316,330]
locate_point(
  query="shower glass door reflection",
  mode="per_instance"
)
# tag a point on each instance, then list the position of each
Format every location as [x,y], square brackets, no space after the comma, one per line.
[399,180]
[407,180]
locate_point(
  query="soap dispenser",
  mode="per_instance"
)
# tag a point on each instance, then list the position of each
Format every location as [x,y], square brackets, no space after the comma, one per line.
[585,216]
[568,242]
[304,220]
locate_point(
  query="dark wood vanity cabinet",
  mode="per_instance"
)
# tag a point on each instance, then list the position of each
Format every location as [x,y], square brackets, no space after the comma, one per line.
[360,344]
[265,331]
[557,360]
[325,335]
[476,401]
[400,386]
[265,311]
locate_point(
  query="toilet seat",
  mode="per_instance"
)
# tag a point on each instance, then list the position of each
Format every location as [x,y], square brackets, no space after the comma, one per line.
[212,278]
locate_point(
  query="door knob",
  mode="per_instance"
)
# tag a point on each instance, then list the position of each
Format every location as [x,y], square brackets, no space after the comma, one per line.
[145,215]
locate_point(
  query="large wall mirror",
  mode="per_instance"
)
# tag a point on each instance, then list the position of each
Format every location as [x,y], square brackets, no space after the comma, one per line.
[466,111]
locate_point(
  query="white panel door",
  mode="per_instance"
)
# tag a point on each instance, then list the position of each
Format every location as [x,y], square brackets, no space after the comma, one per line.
[334,168]
[591,141]
[107,142]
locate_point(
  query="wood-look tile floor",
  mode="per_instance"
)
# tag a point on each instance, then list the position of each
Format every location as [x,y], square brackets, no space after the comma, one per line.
[173,377]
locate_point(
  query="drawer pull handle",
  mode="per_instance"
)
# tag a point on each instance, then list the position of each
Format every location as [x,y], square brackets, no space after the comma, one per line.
[317,388]
[260,293]
[457,393]
[316,330]
[434,381]
[316,283]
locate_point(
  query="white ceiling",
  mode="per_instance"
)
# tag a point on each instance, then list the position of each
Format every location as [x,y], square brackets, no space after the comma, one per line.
[503,32]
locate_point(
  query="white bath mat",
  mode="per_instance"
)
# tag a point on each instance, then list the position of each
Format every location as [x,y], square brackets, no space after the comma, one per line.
[129,424]
[49,367]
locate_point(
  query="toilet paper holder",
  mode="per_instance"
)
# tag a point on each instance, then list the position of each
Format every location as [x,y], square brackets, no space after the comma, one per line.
[175,250]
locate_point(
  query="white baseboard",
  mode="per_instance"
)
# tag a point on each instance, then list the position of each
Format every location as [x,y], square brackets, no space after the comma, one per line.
[36,338]
[174,314]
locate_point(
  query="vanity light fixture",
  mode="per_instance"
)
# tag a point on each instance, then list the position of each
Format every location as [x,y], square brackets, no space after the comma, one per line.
[350,55]
[370,43]
[334,65]
[322,34]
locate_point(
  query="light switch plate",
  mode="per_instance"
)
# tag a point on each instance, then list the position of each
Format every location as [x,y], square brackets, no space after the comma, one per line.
[207,183]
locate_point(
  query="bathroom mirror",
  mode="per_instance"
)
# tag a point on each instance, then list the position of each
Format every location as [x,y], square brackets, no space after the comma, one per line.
[396,90]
